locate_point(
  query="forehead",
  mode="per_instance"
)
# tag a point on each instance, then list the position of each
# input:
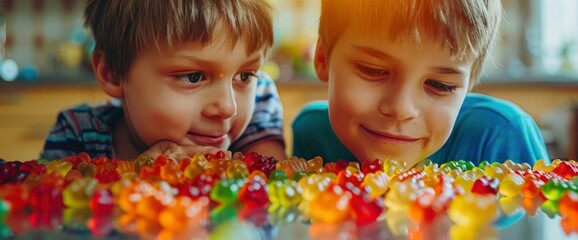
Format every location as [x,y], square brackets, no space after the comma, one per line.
[413,36]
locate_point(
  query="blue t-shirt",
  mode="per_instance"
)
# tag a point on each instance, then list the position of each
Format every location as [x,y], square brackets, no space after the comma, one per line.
[486,128]
[89,128]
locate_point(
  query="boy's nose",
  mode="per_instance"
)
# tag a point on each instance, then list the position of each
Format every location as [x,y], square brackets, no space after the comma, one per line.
[222,103]
[399,104]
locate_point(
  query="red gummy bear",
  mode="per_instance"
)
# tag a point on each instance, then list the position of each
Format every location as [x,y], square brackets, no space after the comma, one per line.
[102,202]
[347,176]
[255,161]
[566,170]
[365,209]
[486,185]
[254,193]
[371,166]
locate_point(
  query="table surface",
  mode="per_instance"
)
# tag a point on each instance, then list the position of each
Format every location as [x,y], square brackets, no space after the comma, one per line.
[235,223]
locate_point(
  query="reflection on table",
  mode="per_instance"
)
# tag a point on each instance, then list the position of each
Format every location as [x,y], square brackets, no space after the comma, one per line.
[520,219]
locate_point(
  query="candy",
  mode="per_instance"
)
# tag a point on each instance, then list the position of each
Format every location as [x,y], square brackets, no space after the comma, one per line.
[254,193]
[371,166]
[199,164]
[8,170]
[486,185]
[259,162]
[375,183]
[511,205]
[78,193]
[511,185]
[401,194]
[4,209]
[47,195]
[568,206]
[59,166]
[237,168]
[366,209]
[292,165]
[554,189]
[566,170]
[467,232]
[532,186]
[226,190]
[183,213]
[201,186]
[101,202]
[315,164]
[473,210]
[87,169]
[392,167]
[494,172]
[331,206]
[170,199]
[531,205]
[100,225]
[285,193]
[17,195]
[34,167]
[350,175]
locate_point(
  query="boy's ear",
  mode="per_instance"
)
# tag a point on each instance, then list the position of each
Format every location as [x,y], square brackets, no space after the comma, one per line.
[320,62]
[109,84]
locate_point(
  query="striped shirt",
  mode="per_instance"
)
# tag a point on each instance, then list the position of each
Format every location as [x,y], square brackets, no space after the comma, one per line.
[88,128]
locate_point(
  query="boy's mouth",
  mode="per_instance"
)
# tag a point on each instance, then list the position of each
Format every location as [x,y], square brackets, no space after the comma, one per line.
[209,140]
[387,136]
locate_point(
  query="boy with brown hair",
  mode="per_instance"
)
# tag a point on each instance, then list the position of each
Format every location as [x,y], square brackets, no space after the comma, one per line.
[184,77]
[399,74]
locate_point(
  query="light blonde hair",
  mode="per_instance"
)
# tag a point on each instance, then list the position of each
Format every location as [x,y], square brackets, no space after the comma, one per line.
[465,27]
[124,28]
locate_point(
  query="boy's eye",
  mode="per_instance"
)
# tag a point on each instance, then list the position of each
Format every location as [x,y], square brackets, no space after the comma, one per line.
[441,87]
[373,72]
[194,77]
[245,77]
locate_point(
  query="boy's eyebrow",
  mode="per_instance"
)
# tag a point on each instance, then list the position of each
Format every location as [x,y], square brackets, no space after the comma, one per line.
[376,53]
[381,55]
[449,70]
[197,60]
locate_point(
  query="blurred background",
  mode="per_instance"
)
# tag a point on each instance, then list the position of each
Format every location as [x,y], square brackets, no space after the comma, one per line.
[45,67]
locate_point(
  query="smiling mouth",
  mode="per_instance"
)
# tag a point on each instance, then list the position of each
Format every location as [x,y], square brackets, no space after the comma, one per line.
[206,139]
[389,137]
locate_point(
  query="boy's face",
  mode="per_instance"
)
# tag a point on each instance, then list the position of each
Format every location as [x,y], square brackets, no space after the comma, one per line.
[192,94]
[392,99]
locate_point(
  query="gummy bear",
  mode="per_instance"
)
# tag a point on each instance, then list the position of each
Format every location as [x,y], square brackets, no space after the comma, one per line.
[375,183]
[184,213]
[332,205]
[237,168]
[254,193]
[365,208]
[102,201]
[486,185]
[473,210]
[511,185]
[77,194]
[199,164]
[226,190]
[285,193]
[566,170]
[554,189]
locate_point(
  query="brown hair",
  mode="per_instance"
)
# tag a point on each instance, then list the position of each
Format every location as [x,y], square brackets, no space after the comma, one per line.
[466,27]
[124,28]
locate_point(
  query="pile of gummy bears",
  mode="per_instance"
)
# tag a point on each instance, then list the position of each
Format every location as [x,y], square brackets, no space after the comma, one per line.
[167,199]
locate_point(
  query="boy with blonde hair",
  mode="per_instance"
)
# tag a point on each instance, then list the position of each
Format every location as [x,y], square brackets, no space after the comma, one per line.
[399,74]
[184,77]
